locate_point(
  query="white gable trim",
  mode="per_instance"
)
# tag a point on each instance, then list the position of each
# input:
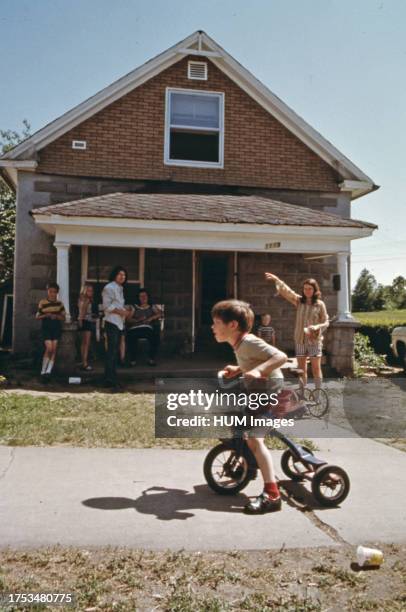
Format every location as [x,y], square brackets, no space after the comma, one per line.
[199,43]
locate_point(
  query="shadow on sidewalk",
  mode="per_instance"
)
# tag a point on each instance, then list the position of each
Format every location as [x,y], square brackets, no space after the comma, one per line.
[296,495]
[169,504]
[176,504]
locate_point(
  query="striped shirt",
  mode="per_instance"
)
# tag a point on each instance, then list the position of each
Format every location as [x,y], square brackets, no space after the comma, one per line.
[266,332]
[306,314]
[47,307]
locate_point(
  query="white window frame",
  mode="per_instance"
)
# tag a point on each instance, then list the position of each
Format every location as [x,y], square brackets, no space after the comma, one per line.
[188,162]
[85,267]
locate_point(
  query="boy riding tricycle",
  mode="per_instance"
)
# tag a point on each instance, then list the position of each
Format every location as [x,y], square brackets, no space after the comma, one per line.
[231,465]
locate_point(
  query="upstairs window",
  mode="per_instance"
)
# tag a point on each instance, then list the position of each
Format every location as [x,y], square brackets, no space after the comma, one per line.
[194,132]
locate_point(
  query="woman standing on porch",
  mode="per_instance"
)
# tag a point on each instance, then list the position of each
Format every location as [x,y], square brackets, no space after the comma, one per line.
[114,318]
[87,322]
[311,321]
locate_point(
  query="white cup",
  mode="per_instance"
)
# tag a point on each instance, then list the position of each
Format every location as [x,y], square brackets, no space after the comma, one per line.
[369,557]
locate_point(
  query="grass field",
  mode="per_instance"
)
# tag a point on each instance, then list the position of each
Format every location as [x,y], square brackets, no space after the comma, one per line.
[382,317]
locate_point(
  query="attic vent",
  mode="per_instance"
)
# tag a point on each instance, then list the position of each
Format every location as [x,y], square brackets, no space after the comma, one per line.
[197,71]
[79,144]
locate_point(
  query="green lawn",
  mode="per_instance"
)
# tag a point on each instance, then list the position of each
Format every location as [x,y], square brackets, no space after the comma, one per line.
[382,317]
[124,420]
[90,420]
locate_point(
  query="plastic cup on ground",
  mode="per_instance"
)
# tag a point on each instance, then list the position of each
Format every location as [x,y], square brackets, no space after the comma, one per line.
[369,557]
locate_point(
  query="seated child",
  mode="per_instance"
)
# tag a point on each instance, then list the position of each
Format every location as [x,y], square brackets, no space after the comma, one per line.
[51,313]
[265,329]
[232,323]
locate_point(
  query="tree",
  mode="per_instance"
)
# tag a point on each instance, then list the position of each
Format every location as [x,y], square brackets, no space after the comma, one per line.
[365,292]
[396,293]
[380,297]
[8,139]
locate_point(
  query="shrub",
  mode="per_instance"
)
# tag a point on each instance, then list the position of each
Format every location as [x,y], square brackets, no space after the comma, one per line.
[378,327]
[379,337]
[364,354]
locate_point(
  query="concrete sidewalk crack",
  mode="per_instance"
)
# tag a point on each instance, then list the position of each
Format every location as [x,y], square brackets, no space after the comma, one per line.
[3,474]
[325,527]
[290,499]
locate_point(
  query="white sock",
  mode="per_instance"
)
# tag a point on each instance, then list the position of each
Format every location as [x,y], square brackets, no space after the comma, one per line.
[318,382]
[45,363]
[50,366]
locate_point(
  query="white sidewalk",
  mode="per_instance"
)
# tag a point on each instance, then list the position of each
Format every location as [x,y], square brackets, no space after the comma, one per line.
[158,499]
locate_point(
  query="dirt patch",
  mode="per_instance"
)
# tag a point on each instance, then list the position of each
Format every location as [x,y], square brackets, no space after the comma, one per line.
[294,580]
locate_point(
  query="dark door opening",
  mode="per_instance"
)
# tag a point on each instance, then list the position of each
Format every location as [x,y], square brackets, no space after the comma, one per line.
[213,283]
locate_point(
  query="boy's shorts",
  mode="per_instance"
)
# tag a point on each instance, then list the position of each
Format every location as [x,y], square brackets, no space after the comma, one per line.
[309,349]
[51,329]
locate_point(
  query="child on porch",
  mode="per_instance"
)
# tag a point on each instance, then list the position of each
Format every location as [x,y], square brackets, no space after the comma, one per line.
[265,329]
[51,312]
[232,323]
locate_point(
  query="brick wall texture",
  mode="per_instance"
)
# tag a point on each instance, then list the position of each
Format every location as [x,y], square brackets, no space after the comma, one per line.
[291,268]
[126,141]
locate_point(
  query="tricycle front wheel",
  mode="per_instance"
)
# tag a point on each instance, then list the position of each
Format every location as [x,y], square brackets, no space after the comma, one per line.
[226,471]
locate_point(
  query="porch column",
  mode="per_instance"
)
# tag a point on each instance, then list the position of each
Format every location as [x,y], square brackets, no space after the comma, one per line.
[62,274]
[344,312]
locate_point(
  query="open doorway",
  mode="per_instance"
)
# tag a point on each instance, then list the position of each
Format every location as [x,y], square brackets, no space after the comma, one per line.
[214,283]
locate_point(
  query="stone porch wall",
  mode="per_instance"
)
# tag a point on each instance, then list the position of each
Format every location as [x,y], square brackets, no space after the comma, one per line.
[168,278]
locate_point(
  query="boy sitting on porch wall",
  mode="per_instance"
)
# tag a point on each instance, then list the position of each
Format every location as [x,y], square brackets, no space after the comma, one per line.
[51,313]
[232,323]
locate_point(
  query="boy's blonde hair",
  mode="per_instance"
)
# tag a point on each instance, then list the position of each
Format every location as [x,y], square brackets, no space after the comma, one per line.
[234,310]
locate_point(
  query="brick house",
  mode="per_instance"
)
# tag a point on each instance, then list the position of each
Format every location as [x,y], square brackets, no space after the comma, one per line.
[193,175]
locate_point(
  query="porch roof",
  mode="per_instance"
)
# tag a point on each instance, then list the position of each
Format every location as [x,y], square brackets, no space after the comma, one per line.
[219,208]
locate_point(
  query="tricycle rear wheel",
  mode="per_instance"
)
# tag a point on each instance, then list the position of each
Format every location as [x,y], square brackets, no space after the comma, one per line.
[290,464]
[330,485]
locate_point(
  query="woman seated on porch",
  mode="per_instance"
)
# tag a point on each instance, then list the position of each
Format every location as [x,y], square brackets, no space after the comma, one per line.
[144,323]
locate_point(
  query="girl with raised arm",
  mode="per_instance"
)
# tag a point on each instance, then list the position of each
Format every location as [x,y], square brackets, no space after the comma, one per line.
[311,321]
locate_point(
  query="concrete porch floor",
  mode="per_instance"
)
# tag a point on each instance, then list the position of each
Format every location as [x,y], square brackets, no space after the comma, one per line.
[141,376]
[191,366]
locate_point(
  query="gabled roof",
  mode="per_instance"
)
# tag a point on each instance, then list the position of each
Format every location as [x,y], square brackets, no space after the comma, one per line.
[217,208]
[197,44]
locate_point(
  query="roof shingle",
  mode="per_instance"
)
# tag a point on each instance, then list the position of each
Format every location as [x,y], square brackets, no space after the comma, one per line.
[250,209]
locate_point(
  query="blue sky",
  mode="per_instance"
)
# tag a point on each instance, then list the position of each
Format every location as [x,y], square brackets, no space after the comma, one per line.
[340,64]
